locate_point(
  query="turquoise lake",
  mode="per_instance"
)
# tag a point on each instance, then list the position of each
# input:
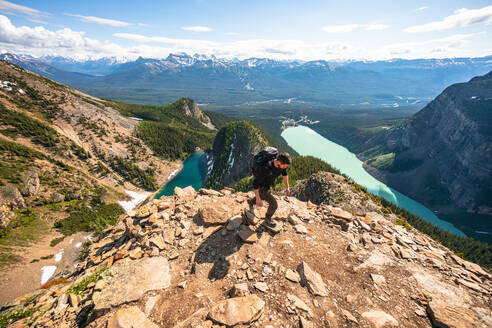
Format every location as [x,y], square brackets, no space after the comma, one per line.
[192,174]
[308,142]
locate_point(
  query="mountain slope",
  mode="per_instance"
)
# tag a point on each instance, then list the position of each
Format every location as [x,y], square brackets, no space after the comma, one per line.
[67,158]
[443,153]
[232,153]
[188,260]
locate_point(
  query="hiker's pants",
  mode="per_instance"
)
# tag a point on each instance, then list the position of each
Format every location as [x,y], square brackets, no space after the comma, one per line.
[268,197]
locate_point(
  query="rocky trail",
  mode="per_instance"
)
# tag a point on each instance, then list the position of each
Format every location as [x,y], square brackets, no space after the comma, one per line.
[192,260]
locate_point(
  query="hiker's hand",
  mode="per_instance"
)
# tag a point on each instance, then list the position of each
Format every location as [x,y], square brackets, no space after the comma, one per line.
[259,202]
[287,191]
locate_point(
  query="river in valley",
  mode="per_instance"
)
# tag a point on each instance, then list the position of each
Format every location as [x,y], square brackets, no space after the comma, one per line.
[308,142]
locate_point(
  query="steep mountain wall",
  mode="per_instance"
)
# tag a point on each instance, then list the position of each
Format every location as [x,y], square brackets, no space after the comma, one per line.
[443,154]
[190,108]
[232,154]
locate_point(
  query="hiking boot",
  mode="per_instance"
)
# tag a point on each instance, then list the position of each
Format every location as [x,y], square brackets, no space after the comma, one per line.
[250,217]
[272,225]
[251,203]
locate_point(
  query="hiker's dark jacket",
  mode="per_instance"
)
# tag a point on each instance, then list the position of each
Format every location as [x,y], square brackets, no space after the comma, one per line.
[267,174]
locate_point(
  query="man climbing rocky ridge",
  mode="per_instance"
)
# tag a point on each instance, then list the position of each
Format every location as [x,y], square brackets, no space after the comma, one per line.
[189,260]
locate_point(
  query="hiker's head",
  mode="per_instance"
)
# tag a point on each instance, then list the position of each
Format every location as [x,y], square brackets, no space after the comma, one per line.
[283,160]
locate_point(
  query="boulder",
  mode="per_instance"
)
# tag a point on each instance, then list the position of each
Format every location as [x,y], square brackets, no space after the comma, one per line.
[209,192]
[292,276]
[5,216]
[187,193]
[312,280]
[237,310]
[380,319]
[214,212]
[57,197]
[11,197]
[130,317]
[339,213]
[447,315]
[30,183]
[130,280]
[234,222]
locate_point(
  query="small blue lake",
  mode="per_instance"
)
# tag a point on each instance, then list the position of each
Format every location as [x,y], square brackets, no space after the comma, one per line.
[308,142]
[192,174]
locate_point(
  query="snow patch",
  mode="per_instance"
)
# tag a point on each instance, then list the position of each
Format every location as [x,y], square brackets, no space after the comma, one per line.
[173,173]
[71,241]
[230,161]
[78,245]
[22,92]
[47,272]
[136,199]
[59,255]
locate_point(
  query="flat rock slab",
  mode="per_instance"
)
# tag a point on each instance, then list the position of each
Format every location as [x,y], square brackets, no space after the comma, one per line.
[130,318]
[237,310]
[447,315]
[130,280]
[312,280]
[339,213]
[380,319]
[214,212]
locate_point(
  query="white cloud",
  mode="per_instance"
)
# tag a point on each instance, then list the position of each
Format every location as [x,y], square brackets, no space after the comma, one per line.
[460,18]
[38,41]
[12,8]
[421,8]
[102,21]
[65,42]
[447,46]
[197,28]
[197,44]
[376,27]
[340,28]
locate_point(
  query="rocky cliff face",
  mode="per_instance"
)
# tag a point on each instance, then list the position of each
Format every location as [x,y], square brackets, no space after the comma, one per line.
[190,260]
[443,154]
[232,154]
[190,108]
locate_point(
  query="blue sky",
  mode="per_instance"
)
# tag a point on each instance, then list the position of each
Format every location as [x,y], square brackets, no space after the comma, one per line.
[306,30]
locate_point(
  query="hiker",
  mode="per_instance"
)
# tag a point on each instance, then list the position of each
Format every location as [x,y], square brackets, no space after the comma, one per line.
[267,167]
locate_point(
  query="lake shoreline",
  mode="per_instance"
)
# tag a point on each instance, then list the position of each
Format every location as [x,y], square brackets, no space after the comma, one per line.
[178,174]
[307,141]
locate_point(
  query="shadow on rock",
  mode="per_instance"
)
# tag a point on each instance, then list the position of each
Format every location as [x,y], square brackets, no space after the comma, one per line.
[215,249]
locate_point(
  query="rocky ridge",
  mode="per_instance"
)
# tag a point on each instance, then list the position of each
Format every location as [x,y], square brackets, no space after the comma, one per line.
[190,260]
[190,108]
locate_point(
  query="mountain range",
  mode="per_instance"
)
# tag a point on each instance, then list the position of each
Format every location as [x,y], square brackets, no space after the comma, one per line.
[212,80]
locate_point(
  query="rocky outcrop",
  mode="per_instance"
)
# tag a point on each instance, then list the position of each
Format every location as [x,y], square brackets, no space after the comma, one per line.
[169,267]
[329,188]
[231,157]
[190,108]
[30,183]
[442,155]
[11,197]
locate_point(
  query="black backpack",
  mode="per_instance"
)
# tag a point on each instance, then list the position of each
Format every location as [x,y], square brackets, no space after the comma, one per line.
[264,156]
